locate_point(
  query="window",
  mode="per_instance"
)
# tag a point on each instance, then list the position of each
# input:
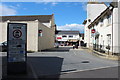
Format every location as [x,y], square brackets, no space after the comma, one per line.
[70,36]
[97,23]
[109,38]
[64,36]
[109,19]
[101,22]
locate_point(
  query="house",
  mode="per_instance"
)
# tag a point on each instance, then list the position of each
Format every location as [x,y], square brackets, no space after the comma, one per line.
[103,30]
[93,10]
[40,30]
[68,37]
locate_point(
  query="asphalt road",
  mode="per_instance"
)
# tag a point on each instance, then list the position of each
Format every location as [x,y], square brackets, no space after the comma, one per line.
[67,63]
[73,62]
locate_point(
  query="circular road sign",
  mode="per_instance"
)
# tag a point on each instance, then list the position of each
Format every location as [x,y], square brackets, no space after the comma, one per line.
[93,30]
[17,33]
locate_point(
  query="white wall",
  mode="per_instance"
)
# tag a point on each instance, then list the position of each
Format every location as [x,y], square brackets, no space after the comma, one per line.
[32,36]
[112,28]
[109,28]
[93,10]
[119,27]
[115,31]
[3,30]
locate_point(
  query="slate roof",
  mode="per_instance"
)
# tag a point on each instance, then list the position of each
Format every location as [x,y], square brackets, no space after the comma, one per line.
[41,18]
[68,32]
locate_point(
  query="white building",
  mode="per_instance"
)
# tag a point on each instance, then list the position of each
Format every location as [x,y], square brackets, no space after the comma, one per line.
[68,37]
[93,10]
[105,23]
[36,41]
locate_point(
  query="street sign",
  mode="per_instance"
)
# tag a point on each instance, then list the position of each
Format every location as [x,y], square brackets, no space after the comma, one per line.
[93,31]
[17,43]
[40,33]
[17,33]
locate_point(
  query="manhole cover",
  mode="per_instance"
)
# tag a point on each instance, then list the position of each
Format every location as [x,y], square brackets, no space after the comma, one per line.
[85,62]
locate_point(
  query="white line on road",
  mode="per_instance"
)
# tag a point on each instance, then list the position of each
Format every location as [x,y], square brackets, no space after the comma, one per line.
[87,69]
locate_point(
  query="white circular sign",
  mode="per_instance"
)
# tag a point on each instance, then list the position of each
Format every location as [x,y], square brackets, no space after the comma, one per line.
[17,33]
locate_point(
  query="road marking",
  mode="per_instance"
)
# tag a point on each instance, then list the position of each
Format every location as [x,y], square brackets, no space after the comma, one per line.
[87,70]
[33,72]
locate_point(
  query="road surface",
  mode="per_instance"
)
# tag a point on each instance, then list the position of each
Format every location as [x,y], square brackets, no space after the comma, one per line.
[65,62]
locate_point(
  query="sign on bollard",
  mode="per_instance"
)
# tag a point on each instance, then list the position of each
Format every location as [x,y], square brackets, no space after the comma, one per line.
[17,51]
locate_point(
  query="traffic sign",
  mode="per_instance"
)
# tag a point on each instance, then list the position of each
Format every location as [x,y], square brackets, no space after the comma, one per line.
[17,47]
[40,33]
[17,33]
[93,31]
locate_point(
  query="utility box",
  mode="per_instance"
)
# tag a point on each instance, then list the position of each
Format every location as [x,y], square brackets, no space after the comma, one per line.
[16,48]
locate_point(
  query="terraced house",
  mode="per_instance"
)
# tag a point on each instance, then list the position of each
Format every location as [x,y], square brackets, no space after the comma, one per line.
[102,31]
[40,30]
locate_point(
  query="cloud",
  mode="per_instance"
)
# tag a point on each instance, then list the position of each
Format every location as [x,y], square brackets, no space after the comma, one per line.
[7,10]
[54,3]
[47,2]
[45,8]
[74,26]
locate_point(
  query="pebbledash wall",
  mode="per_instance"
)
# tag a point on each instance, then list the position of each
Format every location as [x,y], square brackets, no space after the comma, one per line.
[34,24]
[106,27]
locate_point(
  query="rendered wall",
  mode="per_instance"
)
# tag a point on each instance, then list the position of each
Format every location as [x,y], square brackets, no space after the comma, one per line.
[32,38]
[45,41]
[93,10]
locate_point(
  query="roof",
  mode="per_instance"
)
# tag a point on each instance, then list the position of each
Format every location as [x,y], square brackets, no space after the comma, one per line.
[95,2]
[114,4]
[41,18]
[68,32]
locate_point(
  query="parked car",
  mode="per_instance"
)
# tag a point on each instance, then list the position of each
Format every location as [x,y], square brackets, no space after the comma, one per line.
[3,46]
[56,45]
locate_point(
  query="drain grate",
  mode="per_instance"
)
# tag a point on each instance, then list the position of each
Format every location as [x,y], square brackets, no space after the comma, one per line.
[85,62]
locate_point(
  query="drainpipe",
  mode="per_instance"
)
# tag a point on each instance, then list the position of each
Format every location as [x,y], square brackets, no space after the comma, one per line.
[112,32]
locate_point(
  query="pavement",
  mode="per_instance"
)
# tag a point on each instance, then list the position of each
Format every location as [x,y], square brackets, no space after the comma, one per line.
[67,63]
[102,55]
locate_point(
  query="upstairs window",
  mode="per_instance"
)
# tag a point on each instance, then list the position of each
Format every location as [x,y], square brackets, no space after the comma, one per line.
[109,19]
[101,22]
[71,36]
[64,36]
[109,38]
